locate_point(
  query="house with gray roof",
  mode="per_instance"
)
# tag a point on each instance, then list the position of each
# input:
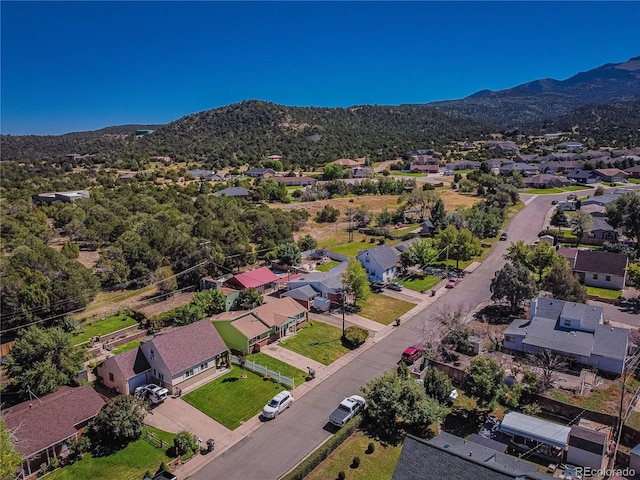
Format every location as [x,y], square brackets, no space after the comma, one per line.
[597,268]
[380,263]
[575,331]
[448,456]
[233,192]
[327,284]
[602,200]
[524,168]
[584,177]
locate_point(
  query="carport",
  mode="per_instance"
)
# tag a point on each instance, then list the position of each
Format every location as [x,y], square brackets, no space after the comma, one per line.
[526,432]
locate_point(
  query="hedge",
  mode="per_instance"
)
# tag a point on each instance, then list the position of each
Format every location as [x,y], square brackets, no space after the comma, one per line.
[316,457]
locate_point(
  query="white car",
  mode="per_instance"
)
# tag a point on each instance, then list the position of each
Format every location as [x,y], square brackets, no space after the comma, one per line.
[277,404]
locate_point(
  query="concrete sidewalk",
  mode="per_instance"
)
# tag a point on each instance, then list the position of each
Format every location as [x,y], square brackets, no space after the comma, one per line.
[323,372]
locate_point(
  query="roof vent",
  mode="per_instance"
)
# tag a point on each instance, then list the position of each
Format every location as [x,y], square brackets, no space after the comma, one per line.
[471,454]
[572,332]
[612,329]
[446,445]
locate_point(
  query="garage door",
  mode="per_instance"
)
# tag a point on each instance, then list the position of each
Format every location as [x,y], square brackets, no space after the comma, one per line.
[137,381]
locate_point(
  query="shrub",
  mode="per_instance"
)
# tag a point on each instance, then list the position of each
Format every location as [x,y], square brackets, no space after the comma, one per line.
[341,474]
[371,448]
[78,447]
[356,462]
[185,442]
[356,335]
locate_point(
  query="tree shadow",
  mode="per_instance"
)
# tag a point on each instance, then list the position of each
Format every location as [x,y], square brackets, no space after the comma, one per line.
[498,314]
[462,422]
[230,379]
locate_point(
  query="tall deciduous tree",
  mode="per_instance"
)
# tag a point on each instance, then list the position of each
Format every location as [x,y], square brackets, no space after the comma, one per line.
[513,283]
[355,281]
[484,381]
[307,243]
[625,213]
[397,404]
[422,252]
[421,199]
[581,223]
[438,215]
[461,243]
[437,384]
[633,273]
[165,280]
[288,254]
[43,360]
[10,460]
[563,284]
[120,422]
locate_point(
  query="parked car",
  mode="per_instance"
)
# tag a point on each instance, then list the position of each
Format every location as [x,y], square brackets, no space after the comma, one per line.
[394,286]
[554,202]
[348,408]
[377,286]
[504,236]
[453,281]
[277,404]
[151,393]
[412,353]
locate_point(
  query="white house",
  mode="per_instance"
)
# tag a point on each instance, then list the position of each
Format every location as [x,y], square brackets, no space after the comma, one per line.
[380,262]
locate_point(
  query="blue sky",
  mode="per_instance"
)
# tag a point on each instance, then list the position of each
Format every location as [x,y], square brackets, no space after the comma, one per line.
[78,66]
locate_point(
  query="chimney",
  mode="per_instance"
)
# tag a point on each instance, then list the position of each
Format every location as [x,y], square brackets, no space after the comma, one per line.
[30,405]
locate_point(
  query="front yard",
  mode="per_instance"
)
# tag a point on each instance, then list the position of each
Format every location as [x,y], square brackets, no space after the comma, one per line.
[278,366]
[604,293]
[383,309]
[233,398]
[319,341]
[130,463]
[376,465]
[420,284]
[102,327]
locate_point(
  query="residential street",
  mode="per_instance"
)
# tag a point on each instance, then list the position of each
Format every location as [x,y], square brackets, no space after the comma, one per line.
[277,446]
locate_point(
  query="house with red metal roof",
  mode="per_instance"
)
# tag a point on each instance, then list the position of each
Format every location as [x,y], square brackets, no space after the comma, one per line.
[43,426]
[262,279]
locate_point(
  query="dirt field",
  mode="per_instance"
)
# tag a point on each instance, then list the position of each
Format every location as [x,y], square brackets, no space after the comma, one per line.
[375,203]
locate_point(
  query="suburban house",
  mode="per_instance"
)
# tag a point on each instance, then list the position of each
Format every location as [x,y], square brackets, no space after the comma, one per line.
[529,158]
[124,372]
[71,196]
[560,166]
[379,262]
[208,175]
[423,168]
[233,192]
[262,279]
[573,330]
[346,162]
[602,200]
[296,181]
[245,330]
[303,295]
[611,174]
[173,356]
[260,172]
[570,146]
[524,168]
[42,427]
[546,180]
[448,456]
[597,268]
[420,159]
[634,172]
[601,231]
[327,284]
[230,294]
[362,172]
[502,146]
[585,177]
[463,165]
[127,177]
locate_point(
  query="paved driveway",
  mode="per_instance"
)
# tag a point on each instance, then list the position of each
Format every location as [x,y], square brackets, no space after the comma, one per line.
[174,415]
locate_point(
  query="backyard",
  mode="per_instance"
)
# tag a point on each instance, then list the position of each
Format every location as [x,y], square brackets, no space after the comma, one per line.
[102,327]
[126,346]
[239,395]
[376,465]
[318,341]
[383,309]
[130,463]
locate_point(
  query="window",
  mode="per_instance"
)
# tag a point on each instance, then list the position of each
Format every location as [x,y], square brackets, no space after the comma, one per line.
[608,278]
[188,373]
[595,276]
[110,377]
[204,365]
[152,354]
[508,338]
[567,322]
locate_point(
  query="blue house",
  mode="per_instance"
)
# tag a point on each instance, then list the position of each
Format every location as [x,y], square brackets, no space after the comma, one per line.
[380,262]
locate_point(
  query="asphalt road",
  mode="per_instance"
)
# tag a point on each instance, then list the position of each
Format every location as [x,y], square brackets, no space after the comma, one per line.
[278,445]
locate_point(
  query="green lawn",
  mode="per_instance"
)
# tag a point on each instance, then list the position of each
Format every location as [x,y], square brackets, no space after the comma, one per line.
[604,292]
[351,249]
[231,399]
[407,174]
[573,188]
[634,180]
[278,366]
[403,231]
[420,284]
[378,465]
[128,464]
[102,327]
[319,341]
[383,309]
[542,191]
[325,267]
[126,346]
